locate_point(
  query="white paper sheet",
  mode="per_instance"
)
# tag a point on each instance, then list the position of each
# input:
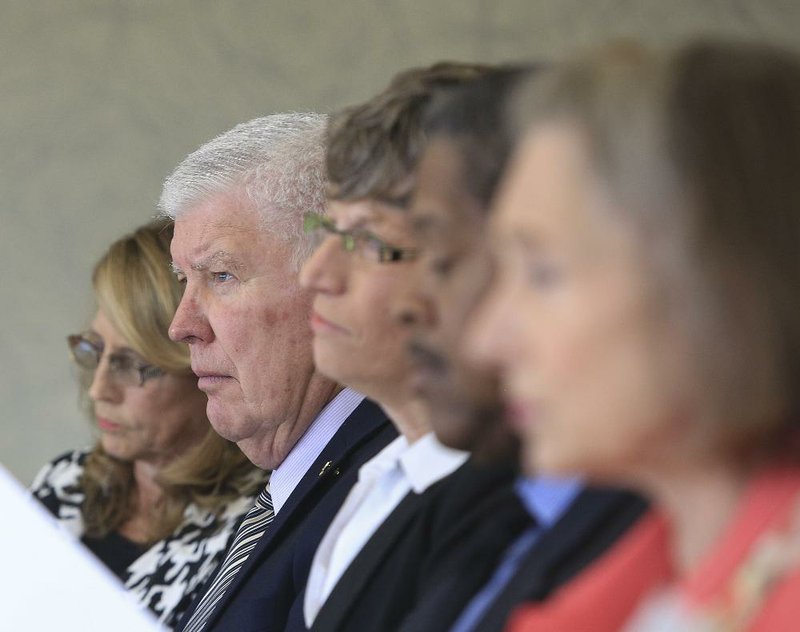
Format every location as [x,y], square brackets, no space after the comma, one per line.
[48,581]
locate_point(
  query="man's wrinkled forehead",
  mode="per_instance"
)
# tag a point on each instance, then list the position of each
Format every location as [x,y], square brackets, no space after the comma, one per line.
[213,226]
[441,190]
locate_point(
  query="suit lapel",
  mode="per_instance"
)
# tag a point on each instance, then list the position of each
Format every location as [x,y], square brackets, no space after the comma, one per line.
[593,521]
[363,422]
[351,585]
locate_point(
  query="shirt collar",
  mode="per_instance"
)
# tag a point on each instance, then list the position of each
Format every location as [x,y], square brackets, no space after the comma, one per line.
[289,473]
[547,498]
[427,461]
[385,460]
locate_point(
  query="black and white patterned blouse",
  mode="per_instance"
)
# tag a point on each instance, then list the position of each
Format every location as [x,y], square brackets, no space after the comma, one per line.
[168,574]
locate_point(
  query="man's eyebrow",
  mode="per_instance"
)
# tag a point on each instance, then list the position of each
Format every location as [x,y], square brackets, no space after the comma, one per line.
[215,259]
[219,258]
[397,202]
[423,222]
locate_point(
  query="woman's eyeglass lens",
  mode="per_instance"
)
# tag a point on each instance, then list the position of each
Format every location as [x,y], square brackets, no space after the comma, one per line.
[365,243]
[86,351]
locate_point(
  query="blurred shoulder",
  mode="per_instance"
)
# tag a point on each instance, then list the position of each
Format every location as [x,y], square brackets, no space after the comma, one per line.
[65,470]
[58,487]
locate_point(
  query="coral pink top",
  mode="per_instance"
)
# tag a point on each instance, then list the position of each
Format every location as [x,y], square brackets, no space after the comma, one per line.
[749,580]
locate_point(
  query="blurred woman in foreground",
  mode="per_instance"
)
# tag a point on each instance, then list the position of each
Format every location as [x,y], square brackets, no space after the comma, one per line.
[646,321]
[159,496]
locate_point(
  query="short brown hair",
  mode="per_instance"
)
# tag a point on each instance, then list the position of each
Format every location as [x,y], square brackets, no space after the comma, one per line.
[472,116]
[372,148]
[701,150]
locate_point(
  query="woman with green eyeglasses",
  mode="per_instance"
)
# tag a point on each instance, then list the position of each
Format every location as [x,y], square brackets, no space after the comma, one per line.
[160,494]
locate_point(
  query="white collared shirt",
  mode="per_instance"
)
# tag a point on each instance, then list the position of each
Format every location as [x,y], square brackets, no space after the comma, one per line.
[288,474]
[383,482]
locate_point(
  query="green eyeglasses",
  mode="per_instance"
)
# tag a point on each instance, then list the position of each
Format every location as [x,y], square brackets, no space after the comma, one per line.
[86,350]
[362,242]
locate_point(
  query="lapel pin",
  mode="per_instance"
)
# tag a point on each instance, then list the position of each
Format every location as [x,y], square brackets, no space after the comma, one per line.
[325,468]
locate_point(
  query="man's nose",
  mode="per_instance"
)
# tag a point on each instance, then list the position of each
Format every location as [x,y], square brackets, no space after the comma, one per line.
[190,323]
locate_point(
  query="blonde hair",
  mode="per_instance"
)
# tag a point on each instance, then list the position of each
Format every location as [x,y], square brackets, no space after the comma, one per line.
[136,289]
[138,292]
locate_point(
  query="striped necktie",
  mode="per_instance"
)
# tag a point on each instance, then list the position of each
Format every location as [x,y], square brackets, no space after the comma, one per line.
[253,526]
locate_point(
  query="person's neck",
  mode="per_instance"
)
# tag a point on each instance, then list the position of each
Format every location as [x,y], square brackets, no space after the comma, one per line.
[268,452]
[148,490]
[145,497]
[408,414]
[699,502]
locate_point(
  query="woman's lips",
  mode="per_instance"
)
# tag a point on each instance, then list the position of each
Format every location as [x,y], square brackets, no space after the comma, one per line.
[426,380]
[107,425]
[320,324]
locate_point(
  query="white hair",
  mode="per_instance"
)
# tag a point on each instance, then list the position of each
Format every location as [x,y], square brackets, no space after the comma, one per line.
[276,161]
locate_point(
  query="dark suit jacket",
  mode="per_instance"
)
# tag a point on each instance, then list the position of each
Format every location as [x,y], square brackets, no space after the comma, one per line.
[274,575]
[380,586]
[594,521]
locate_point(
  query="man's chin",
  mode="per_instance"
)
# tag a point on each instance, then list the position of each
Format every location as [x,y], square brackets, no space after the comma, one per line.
[501,448]
[221,417]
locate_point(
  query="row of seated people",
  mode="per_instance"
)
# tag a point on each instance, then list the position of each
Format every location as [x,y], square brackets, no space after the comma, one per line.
[502,348]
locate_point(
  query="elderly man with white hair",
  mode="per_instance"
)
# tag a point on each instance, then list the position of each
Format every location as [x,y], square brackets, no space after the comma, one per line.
[238,204]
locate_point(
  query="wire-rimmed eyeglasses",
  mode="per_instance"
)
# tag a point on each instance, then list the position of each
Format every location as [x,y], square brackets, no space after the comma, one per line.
[362,242]
[86,350]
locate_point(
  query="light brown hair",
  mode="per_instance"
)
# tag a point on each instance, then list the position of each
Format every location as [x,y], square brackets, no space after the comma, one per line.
[700,147]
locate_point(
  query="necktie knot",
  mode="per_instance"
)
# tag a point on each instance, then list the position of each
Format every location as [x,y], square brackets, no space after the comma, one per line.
[264,499]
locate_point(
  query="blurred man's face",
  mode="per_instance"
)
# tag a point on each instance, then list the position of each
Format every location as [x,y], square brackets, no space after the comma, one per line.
[597,378]
[453,273]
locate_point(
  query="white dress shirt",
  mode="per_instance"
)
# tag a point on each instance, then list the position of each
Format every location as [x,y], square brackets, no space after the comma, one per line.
[383,482]
[288,474]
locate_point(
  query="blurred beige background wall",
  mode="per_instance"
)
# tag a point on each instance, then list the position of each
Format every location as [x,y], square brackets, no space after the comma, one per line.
[100,99]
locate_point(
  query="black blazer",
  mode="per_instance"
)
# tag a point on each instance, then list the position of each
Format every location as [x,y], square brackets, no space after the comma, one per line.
[265,589]
[381,585]
[594,521]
